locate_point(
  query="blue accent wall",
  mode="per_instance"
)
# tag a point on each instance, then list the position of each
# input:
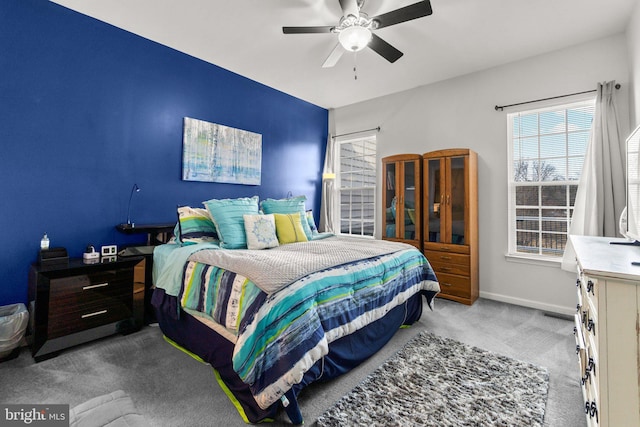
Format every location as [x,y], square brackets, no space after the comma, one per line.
[87,110]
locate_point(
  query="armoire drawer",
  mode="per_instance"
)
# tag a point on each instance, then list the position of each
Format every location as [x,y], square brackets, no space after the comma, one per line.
[451,263]
[454,285]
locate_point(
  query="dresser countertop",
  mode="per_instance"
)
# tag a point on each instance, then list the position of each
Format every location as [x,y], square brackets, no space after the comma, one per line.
[597,256]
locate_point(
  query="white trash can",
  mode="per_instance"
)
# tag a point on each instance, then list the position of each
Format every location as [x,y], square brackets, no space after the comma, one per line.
[13,323]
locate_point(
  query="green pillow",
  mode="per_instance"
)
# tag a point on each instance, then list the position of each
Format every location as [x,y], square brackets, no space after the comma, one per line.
[289,228]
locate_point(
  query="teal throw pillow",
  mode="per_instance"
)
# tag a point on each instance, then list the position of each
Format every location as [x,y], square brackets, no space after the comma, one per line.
[228,217]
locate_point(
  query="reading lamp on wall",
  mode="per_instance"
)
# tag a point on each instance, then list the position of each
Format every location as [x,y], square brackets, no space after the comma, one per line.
[134,189]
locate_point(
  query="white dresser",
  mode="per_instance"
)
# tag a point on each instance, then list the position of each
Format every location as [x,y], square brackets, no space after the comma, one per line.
[607,325]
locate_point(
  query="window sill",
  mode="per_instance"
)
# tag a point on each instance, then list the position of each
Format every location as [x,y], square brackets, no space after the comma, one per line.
[355,236]
[541,261]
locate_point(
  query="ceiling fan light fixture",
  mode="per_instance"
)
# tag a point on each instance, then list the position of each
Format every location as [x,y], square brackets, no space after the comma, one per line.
[355,38]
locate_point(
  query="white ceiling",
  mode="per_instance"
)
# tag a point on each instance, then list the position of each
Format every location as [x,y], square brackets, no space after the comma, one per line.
[462,36]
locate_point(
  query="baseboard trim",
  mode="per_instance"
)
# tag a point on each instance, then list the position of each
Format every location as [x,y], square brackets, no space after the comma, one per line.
[551,308]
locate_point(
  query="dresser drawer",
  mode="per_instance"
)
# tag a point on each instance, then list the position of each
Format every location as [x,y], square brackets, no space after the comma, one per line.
[592,406]
[581,349]
[591,323]
[590,289]
[454,285]
[592,367]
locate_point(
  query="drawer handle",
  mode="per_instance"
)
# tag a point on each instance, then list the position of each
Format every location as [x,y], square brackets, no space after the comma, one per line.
[591,367]
[591,326]
[446,268]
[577,349]
[584,318]
[585,378]
[578,307]
[591,287]
[444,248]
[593,411]
[96,313]
[100,285]
[578,283]
[446,284]
[447,258]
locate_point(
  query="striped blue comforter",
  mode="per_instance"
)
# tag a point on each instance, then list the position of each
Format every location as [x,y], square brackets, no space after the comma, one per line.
[282,335]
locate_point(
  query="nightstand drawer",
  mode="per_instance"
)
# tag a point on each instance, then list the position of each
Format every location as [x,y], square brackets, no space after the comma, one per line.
[91,286]
[454,285]
[77,303]
[76,318]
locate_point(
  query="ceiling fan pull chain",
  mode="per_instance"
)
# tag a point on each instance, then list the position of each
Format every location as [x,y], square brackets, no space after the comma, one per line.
[355,65]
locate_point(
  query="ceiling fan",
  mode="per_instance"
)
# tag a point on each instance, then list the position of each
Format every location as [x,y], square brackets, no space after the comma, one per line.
[356,30]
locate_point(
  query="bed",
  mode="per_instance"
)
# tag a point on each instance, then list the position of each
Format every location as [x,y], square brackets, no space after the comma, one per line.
[270,322]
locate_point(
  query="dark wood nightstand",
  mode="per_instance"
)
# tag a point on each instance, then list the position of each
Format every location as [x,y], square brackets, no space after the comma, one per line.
[77,302]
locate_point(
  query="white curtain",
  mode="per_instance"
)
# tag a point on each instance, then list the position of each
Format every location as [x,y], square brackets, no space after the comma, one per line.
[600,198]
[328,202]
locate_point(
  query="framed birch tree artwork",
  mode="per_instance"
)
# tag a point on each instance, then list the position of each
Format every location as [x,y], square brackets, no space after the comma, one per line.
[217,153]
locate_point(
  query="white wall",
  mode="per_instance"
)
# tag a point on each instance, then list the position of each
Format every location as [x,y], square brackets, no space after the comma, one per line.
[633,43]
[460,113]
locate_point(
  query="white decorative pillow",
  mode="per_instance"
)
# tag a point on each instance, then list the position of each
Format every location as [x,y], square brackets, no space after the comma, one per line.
[261,231]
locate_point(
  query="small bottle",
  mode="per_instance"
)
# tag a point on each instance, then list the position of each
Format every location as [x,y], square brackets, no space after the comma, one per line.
[44,243]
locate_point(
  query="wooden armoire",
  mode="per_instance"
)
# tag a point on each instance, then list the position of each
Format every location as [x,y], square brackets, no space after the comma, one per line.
[450,221]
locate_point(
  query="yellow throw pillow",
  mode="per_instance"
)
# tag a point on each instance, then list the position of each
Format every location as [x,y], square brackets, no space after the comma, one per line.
[289,228]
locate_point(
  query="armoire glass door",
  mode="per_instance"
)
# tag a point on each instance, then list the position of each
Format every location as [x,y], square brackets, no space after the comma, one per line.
[458,197]
[434,200]
[409,200]
[390,200]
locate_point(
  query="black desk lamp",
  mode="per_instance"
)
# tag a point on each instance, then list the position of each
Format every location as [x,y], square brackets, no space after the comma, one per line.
[134,189]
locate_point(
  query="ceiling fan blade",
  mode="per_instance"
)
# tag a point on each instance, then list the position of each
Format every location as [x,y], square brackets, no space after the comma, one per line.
[334,56]
[307,30]
[384,49]
[407,13]
[350,7]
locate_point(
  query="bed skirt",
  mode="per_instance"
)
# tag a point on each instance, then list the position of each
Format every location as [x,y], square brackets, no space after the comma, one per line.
[344,353]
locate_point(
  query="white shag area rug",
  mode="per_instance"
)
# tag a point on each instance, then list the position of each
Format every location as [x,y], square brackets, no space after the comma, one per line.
[436,381]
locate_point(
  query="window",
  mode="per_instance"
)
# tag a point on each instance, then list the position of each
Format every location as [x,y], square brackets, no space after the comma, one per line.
[356,185]
[546,153]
